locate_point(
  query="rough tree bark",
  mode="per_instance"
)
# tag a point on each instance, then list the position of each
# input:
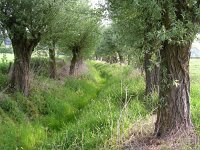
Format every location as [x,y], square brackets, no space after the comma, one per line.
[173,114]
[174,109]
[52,61]
[76,61]
[151,75]
[23,49]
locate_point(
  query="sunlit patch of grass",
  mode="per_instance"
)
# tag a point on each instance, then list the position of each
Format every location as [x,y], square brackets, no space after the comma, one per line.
[195,92]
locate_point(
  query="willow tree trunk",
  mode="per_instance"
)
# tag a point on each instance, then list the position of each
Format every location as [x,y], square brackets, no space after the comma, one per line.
[76,60]
[151,75]
[20,73]
[173,114]
[52,61]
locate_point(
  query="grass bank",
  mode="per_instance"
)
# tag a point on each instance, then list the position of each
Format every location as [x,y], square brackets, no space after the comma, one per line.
[195,92]
[92,111]
[89,112]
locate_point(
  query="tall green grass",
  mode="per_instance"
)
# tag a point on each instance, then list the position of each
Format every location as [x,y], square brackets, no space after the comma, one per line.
[107,116]
[88,112]
[195,92]
[93,111]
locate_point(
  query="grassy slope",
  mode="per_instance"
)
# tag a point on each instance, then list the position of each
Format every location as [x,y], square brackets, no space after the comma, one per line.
[195,92]
[91,112]
[86,113]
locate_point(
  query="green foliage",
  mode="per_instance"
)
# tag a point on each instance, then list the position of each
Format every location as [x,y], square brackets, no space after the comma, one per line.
[81,29]
[109,47]
[144,23]
[144,27]
[26,18]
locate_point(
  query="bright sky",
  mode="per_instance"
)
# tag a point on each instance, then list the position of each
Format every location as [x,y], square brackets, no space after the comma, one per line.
[95,4]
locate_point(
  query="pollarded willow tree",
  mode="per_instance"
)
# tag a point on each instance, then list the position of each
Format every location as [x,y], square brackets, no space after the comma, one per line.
[81,32]
[52,36]
[176,25]
[180,21]
[25,22]
[49,41]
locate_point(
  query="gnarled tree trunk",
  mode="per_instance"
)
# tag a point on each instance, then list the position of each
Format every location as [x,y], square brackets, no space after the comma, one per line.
[20,73]
[23,49]
[76,61]
[52,61]
[174,109]
[151,75]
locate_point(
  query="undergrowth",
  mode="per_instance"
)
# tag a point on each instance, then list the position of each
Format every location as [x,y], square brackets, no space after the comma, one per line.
[88,112]
[92,111]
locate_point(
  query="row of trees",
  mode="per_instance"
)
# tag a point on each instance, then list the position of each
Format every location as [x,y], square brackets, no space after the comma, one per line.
[163,31]
[65,25]
[157,33]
